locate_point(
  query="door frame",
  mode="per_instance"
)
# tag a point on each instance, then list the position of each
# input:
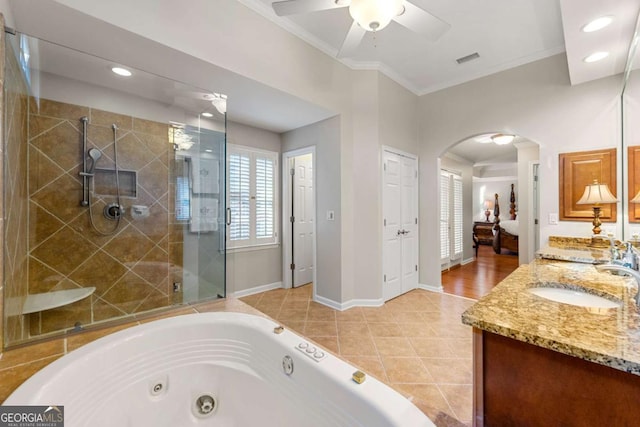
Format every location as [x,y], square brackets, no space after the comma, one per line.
[286,214]
[416,195]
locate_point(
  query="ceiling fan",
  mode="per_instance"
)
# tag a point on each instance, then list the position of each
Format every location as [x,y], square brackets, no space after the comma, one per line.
[370,15]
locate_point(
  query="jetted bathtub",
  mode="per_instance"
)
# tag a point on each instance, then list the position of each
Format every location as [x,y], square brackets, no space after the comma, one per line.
[212,369]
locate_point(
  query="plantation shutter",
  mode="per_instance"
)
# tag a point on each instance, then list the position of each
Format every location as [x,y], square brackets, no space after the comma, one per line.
[239,196]
[457,217]
[264,198]
[444,216]
[252,194]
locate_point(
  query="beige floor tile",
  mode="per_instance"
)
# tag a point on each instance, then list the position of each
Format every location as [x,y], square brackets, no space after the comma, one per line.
[352,315]
[317,312]
[294,325]
[377,314]
[295,304]
[359,329]
[460,398]
[385,329]
[328,343]
[406,370]
[407,316]
[297,315]
[394,346]
[432,347]
[412,330]
[449,371]
[356,346]
[320,329]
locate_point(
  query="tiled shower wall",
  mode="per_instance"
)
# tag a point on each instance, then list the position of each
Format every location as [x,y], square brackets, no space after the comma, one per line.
[133,269]
[15,196]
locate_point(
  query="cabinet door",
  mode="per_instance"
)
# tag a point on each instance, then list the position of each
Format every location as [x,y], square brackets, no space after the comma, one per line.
[577,170]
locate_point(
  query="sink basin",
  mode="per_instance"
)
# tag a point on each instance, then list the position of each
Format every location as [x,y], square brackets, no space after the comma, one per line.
[574,297]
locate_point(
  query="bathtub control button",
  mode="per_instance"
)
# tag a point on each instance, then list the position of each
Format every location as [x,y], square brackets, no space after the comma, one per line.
[303,345]
[318,354]
[311,350]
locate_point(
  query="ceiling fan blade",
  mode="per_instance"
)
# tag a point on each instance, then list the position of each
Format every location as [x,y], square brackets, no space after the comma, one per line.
[352,40]
[293,7]
[422,22]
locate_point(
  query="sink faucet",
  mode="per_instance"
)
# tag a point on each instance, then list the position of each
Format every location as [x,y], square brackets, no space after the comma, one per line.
[616,257]
[626,270]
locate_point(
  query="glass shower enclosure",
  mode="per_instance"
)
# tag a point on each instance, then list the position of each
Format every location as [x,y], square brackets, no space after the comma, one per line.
[113,191]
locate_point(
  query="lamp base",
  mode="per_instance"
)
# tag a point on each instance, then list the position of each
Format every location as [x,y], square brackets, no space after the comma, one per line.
[596,220]
[487,213]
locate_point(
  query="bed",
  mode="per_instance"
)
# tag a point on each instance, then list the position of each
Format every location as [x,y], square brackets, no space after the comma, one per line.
[505,233]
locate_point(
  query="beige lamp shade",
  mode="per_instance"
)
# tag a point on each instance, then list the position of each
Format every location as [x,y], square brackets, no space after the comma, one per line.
[636,199]
[596,194]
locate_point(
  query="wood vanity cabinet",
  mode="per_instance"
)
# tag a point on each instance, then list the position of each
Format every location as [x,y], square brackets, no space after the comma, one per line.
[484,232]
[521,384]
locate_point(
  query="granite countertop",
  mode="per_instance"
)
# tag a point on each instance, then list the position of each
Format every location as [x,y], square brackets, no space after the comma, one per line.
[609,337]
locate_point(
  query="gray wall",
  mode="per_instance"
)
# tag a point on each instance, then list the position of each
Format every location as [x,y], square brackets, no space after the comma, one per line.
[535,101]
[325,136]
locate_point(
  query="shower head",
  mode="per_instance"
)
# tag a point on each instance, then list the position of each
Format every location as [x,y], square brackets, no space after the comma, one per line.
[95,154]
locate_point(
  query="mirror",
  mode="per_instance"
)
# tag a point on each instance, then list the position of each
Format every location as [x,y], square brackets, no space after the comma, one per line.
[630,100]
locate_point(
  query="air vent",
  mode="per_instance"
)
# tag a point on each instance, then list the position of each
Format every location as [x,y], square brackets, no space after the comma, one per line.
[468,58]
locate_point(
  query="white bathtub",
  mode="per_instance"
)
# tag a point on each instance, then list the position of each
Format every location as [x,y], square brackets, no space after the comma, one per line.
[153,375]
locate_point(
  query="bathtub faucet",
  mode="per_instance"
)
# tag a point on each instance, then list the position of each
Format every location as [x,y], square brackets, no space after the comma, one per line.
[626,270]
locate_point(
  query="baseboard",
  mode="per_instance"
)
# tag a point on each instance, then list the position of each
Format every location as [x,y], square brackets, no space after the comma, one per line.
[467,261]
[348,304]
[257,290]
[431,288]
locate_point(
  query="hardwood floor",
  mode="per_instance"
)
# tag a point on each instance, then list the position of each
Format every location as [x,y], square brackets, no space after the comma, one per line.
[476,279]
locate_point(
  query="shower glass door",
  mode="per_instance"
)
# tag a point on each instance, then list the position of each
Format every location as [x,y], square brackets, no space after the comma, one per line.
[113,188]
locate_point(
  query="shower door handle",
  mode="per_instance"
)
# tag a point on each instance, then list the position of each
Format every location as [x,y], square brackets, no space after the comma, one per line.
[228,216]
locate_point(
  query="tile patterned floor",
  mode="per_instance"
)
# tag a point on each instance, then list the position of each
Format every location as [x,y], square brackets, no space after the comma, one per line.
[415,343]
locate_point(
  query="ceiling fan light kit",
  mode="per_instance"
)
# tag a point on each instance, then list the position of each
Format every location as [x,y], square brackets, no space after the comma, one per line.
[374,15]
[369,15]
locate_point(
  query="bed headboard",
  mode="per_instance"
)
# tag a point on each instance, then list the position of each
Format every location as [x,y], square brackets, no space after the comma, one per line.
[512,206]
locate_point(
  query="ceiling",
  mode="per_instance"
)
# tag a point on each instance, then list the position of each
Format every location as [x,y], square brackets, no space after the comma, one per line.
[480,154]
[505,34]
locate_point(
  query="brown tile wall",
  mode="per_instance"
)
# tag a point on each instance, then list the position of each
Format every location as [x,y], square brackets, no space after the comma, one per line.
[130,269]
[16,198]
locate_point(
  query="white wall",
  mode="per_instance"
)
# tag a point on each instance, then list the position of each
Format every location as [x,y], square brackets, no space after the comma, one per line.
[486,189]
[250,269]
[535,101]
[325,136]
[5,9]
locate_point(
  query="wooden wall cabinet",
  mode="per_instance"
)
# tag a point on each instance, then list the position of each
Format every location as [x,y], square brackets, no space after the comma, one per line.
[579,169]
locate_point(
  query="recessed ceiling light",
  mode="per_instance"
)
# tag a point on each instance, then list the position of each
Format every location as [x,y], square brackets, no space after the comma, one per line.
[207,114]
[208,151]
[596,56]
[597,24]
[121,71]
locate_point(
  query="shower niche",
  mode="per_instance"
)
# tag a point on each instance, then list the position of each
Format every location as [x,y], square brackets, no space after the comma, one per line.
[102,208]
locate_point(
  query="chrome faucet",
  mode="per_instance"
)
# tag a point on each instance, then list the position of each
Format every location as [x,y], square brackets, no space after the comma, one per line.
[626,270]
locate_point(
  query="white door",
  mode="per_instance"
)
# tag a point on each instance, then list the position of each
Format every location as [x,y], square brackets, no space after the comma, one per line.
[400,224]
[302,221]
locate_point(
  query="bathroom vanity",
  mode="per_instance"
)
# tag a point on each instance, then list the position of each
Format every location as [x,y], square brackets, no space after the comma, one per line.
[542,362]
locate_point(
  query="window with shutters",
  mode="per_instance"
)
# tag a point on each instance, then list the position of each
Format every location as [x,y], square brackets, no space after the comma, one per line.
[451,216]
[252,191]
